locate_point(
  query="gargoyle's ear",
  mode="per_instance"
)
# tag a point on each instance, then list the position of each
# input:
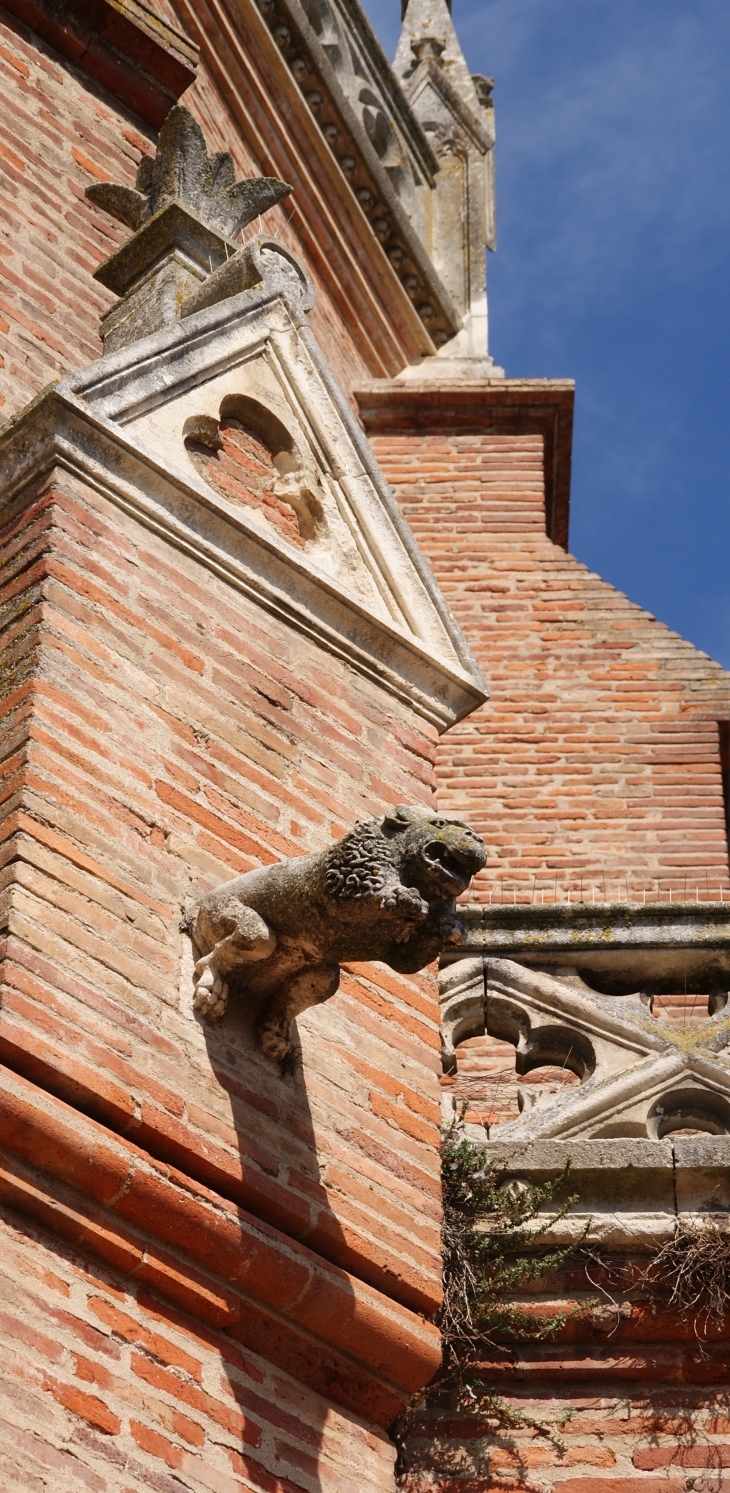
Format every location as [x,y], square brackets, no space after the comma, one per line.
[403,815]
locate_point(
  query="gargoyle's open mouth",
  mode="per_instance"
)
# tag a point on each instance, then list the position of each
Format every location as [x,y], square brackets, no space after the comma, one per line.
[455,865]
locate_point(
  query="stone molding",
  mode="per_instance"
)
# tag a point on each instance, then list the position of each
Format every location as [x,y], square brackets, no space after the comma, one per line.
[622,1131]
[629,1192]
[143,61]
[364,591]
[628,943]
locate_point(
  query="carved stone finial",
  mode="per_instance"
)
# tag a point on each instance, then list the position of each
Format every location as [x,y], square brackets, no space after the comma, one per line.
[484,90]
[276,936]
[182,171]
[456,110]
[186,211]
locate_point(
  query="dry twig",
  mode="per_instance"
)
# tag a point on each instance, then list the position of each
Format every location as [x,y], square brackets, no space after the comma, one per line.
[694,1266]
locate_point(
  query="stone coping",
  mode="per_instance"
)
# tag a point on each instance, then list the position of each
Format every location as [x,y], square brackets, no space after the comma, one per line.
[616,925]
[628,945]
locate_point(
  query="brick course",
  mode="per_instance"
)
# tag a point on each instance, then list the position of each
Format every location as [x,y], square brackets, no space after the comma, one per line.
[111,1389]
[625,1398]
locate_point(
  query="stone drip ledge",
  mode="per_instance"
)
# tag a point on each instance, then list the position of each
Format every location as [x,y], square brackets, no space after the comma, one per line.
[631,1191]
[633,944]
[614,925]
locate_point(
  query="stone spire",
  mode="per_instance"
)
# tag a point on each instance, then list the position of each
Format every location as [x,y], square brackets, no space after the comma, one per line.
[186,209]
[432,19]
[456,110]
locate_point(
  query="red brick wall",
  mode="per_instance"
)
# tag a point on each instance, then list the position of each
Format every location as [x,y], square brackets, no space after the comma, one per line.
[627,1398]
[108,1388]
[597,757]
[587,1436]
[160,733]
[58,134]
[163,735]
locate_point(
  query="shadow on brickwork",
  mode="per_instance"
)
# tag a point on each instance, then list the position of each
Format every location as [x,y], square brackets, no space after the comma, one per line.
[280,1184]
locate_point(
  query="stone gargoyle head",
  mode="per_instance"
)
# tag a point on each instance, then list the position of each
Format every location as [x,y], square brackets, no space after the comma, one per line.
[438,856]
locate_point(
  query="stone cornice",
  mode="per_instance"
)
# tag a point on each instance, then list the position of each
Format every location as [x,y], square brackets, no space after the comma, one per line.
[628,940]
[392,87]
[393,93]
[349,218]
[504,406]
[122,45]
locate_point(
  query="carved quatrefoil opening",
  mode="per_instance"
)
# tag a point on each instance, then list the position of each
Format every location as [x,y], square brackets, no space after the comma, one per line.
[249,458]
[499,1086]
[640,1076]
[548,1046]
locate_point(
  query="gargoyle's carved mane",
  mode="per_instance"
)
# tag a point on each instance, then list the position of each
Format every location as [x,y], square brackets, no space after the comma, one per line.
[356,864]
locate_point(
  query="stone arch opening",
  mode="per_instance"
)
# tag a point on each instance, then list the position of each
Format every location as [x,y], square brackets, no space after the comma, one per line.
[689,1111]
[250,458]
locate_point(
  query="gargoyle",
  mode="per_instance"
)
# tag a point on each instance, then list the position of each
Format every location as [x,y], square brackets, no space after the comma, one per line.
[384,891]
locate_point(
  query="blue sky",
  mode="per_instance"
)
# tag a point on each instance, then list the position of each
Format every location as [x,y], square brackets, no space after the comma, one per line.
[613,268]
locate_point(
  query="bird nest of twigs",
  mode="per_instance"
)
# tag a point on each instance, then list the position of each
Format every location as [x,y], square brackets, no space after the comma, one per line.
[694,1268]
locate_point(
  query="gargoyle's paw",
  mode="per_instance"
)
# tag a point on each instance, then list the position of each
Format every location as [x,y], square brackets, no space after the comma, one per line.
[455,932]
[211,993]
[407,900]
[206,1003]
